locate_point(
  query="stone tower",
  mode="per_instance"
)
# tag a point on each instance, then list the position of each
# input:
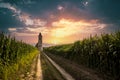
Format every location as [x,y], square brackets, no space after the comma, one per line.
[39,44]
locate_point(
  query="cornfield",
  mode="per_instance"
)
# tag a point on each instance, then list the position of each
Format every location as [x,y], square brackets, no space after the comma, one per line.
[11,53]
[101,53]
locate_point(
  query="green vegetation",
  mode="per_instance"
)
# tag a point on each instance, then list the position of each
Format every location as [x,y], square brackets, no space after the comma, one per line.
[101,53]
[15,56]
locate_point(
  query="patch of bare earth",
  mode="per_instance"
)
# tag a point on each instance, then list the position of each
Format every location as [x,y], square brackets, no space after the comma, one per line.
[39,69]
[31,73]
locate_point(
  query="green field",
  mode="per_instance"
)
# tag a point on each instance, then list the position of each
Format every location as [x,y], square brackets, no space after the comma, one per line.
[100,53]
[15,57]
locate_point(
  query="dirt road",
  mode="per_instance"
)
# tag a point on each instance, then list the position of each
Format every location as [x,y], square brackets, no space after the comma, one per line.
[39,69]
[66,75]
[77,71]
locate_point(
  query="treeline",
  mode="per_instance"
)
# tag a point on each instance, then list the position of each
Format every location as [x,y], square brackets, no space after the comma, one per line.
[101,53]
[13,55]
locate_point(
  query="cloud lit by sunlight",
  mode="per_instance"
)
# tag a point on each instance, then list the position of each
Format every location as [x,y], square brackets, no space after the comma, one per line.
[60,7]
[66,29]
[60,22]
[61,31]
[31,21]
[12,29]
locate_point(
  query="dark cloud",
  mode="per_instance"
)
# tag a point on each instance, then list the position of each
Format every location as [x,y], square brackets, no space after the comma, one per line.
[35,7]
[19,16]
[8,19]
[39,7]
[106,10]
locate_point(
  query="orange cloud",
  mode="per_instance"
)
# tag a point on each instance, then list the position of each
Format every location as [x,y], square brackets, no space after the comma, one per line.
[64,30]
[61,31]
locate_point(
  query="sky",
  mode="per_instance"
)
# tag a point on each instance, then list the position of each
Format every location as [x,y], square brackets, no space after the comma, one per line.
[59,21]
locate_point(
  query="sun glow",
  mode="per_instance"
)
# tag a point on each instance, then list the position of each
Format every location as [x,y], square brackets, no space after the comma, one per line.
[55,41]
[66,27]
[62,30]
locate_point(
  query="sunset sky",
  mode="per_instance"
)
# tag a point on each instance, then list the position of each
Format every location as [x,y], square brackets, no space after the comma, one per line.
[59,21]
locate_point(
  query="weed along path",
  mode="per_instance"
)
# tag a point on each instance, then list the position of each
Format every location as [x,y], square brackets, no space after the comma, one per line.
[61,70]
[39,69]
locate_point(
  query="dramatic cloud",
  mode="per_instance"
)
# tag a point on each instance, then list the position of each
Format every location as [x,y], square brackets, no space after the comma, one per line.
[29,21]
[9,16]
[67,29]
[12,29]
[70,19]
[62,29]
[106,10]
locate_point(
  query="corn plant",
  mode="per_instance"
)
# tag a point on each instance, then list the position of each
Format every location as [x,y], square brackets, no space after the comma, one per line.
[101,53]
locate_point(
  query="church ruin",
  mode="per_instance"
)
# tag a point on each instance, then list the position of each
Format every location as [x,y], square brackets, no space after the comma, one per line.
[39,44]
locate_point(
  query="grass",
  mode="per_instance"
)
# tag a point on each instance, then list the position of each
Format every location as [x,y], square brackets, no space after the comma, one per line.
[15,56]
[13,71]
